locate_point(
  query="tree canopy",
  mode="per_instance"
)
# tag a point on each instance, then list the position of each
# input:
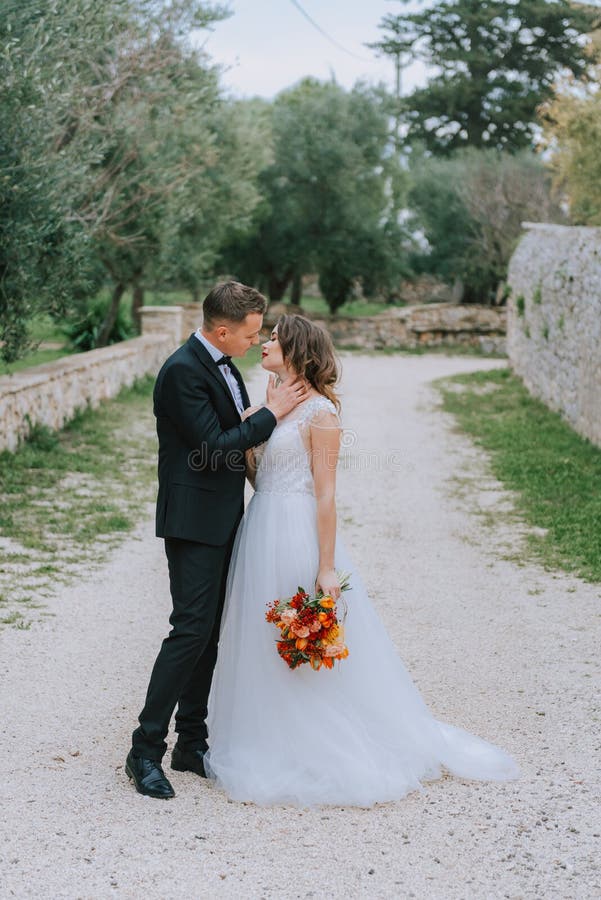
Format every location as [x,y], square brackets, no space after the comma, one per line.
[117,144]
[124,164]
[470,208]
[493,63]
[572,135]
[326,205]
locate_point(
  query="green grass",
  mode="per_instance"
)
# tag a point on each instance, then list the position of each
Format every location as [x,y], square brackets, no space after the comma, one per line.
[16,619]
[67,497]
[555,473]
[43,330]
[317,306]
[93,448]
[35,358]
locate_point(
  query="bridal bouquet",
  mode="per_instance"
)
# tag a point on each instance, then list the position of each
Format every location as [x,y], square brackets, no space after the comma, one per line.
[310,631]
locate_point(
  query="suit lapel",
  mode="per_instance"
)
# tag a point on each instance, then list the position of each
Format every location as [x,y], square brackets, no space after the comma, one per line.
[241,385]
[212,368]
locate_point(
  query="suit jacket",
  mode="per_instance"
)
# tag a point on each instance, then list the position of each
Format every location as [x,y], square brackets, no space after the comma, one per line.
[201,447]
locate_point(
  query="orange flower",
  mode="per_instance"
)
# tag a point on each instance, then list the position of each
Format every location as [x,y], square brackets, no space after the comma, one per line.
[327,603]
[301,643]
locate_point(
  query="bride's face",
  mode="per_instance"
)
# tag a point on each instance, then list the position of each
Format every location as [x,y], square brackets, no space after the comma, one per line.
[272,357]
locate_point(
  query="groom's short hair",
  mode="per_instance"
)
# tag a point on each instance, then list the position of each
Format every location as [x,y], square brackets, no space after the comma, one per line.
[231,301]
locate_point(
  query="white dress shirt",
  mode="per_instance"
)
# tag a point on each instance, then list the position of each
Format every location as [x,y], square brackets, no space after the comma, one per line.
[225,370]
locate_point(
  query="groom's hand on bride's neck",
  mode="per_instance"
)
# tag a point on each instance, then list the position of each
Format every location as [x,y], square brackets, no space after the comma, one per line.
[284,397]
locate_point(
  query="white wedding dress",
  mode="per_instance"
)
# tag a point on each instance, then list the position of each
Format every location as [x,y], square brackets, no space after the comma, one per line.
[354,735]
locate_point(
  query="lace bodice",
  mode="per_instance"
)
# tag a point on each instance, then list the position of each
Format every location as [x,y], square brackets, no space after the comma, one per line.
[283,462]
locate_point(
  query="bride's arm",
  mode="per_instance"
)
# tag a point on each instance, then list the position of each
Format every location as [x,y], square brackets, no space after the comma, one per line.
[325,447]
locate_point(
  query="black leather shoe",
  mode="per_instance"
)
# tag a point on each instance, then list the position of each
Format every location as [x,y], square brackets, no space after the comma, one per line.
[188,761]
[148,777]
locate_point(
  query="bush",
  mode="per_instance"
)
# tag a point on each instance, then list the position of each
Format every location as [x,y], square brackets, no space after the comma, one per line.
[83,333]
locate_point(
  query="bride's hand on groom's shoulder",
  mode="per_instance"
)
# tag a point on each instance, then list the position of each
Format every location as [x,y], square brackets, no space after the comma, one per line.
[282,398]
[328,582]
[248,412]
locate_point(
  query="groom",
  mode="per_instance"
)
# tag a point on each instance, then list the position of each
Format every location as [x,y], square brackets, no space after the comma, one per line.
[199,401]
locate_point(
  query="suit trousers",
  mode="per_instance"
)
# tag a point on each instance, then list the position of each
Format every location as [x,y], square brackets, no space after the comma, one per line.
[183,670]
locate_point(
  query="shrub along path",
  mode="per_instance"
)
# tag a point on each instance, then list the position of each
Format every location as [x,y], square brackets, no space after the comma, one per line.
[496,643]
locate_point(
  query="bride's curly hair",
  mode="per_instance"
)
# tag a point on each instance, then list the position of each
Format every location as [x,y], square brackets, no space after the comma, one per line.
[308,349]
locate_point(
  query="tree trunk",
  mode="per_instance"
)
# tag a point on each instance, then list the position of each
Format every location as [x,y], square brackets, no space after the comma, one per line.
[195,295]
[111,316]
[277,286]
[458,291]
[296,292]
[136,306]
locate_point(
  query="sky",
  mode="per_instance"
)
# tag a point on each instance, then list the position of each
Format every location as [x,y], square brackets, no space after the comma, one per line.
[267,45]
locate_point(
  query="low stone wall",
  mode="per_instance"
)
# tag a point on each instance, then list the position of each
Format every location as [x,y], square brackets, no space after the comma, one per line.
[431,325]
[427,325]
[52,393]
[191,319]
[554,321]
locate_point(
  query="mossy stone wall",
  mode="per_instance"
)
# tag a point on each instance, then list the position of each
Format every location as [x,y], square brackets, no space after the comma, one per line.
[554,321]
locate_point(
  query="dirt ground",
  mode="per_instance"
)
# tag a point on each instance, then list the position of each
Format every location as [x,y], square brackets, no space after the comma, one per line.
[496,644]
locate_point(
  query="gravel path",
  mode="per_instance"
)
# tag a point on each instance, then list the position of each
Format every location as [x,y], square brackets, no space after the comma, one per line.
[497,645]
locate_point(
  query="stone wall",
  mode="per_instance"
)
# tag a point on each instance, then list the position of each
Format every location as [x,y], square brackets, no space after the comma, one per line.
[191,319]
[52,393]
[554,321]
[430,325]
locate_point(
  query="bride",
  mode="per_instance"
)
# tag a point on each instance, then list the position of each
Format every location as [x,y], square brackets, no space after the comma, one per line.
[354,735]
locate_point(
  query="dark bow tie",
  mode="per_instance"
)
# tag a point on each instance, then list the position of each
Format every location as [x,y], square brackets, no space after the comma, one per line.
[224,361]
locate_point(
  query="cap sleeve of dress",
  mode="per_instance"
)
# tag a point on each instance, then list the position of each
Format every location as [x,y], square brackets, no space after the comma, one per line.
[320,413]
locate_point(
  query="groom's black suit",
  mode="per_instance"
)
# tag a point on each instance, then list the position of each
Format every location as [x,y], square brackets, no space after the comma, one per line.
[199,505]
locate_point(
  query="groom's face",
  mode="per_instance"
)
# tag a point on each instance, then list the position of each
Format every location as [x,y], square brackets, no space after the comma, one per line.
[235,338]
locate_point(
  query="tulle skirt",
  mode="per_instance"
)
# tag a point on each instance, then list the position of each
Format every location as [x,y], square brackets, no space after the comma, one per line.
[354,735]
